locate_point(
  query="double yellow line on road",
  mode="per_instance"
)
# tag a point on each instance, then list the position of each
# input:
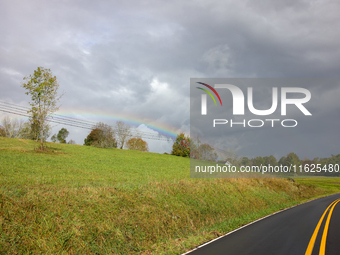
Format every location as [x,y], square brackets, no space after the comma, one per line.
[325,231]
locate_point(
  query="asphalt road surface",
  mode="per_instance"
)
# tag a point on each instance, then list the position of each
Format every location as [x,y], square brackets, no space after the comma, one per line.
[307,229]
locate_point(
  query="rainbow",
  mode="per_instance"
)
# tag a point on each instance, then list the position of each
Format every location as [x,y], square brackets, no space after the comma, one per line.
[96,116]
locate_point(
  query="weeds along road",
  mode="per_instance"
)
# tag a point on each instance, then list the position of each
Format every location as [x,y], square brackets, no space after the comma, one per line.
[311,228]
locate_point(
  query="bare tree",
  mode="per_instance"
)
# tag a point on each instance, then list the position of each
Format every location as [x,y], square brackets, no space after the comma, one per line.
[71,142]
[230,155]
[9,127]
[12,127]
[207,152]
[123,132]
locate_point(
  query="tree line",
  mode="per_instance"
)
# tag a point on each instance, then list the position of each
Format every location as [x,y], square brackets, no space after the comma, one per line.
[105,136]
[101,135]
[43,87]
[120,136]
[185,146]
[14,128]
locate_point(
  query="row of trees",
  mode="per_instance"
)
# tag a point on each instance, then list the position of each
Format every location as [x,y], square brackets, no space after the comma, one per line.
[61,137]
[288,160]
[43,87]
[105,136]
[102,135]
[14,128]
[185,146]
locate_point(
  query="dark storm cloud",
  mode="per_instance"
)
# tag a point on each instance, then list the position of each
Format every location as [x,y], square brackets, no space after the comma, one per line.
[314,135]
[137,57]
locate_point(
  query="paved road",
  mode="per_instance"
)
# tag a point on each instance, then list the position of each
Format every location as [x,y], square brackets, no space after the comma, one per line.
[289,232]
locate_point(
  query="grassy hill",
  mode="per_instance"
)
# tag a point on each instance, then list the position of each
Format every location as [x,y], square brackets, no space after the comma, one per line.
[87,200]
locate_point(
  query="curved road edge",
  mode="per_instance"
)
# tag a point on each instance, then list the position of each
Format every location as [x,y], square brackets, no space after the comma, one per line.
[258,220]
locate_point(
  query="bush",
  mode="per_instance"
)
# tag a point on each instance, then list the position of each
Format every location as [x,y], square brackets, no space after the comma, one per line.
[137,144]
[181,146]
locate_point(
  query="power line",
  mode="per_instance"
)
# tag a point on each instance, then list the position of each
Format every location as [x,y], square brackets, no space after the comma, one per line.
[59,118]
[144,135]
[74,122]
[65,118]
[49,120]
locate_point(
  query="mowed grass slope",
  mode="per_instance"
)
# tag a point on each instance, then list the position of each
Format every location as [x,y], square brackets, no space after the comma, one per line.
[85,200]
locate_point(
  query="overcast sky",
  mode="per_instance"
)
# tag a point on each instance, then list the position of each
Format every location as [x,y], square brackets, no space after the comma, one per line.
[136,58]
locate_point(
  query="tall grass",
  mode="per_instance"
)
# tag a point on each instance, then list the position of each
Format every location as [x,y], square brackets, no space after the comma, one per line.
[85,200]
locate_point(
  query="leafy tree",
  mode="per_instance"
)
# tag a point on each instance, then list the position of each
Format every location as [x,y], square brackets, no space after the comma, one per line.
[282,161]
[2,132]
[203,151]
[306,161]
[25,132]
[93,137]
[43,89]
[324,161]
[207,152]
[62,135]
[181,146]
[292,159]
[245,161]
[54,138]
[34,128]
[271,160]
[137,144]
[30,130]
[102,135]
[335,159]
[195,144]
[123,131]
[258,161]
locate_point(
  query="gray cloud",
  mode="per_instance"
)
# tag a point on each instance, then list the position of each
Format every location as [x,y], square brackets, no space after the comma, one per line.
[314,136]
[136,57]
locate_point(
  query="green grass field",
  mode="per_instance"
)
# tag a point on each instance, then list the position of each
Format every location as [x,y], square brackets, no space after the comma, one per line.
[86,200]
